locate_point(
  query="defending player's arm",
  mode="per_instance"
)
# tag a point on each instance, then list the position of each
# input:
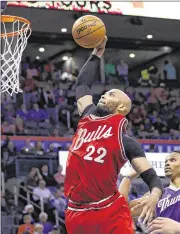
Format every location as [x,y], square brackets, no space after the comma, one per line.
[138,160]
[87,76]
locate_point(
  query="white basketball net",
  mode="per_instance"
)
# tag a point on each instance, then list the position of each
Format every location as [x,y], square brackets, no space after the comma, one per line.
[11,54]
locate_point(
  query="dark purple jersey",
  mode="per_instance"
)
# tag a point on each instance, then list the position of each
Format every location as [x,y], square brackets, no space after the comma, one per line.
[169,204]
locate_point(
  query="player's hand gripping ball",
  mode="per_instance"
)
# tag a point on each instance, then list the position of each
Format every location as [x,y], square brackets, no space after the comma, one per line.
[88,31]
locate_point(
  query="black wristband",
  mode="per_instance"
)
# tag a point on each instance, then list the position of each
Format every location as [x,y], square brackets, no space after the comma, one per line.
[151,179]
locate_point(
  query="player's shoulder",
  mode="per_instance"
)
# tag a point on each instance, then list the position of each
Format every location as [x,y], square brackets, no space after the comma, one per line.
[133,148]
[127,139]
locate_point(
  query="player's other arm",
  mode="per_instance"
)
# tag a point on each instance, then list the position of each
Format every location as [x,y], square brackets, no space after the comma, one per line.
[125,184]
[136,156]
[87,76]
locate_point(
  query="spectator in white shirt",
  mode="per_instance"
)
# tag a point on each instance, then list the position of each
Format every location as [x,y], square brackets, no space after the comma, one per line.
[42,192]
[122,70]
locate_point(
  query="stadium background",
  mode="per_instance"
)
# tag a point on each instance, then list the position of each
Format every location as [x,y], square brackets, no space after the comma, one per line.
[38,124]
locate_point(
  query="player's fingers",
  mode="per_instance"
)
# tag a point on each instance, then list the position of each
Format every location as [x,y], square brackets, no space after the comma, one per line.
[154,227]
[143,213]
[103,43]
[148,217]
[105,39]
[158,231]
[157,221]
[160,219]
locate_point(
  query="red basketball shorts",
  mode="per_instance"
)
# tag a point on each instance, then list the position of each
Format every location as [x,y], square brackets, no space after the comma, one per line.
[115,219]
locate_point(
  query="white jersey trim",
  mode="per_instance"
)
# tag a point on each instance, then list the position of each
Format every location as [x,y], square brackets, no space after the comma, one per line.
[94,208]
[94,117]
[122,123]
[95,203]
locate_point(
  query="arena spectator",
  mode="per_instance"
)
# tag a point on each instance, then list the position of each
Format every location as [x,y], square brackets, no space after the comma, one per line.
[8,129]
[110,68]
[153,103]
[66,75]
[52,150]
[59,177]
[23,113]
[38,229]
[33,178]
[60,201]
[37,115]
[173,122]
[56,74]
[144,80]
[159,124]
[28,147]
[152,149]
[39,148]
[122,70]
[56,132]
[28,88]
[61,99]
[48,227]
[169,71]
[27,226]
[28,210]
[154,76]
[41,192]
[47,177]
[9,153]
[50,104]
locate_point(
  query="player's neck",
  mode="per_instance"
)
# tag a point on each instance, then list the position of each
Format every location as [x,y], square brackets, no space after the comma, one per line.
[175,182]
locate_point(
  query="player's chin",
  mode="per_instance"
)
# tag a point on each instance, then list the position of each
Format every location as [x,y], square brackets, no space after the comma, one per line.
[100,104]
[168,173]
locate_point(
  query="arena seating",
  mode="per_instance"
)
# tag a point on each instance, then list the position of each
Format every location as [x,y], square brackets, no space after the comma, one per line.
[47,107]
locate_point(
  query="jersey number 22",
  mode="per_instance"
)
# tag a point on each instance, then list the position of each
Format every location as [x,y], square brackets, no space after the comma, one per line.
[101,152]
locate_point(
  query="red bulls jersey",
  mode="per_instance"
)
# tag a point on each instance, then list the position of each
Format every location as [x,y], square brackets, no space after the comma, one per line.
[95,158]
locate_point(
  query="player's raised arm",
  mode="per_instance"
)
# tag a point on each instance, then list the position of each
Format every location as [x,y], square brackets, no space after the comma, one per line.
[87,76]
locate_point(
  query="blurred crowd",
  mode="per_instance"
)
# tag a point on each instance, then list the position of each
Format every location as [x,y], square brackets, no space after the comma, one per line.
[44,190]
[155,113]
[47,106]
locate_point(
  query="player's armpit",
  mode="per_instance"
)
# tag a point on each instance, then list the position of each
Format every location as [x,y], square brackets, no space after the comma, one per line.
[140,164]
[83,102]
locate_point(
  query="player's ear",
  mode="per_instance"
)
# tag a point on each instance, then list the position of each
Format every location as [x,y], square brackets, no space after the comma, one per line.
[122,109]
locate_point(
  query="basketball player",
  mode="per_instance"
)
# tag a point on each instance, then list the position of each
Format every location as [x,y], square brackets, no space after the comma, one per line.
[99,149]
[168,207]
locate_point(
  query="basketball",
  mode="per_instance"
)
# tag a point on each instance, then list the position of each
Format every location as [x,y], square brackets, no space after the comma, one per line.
[88,31]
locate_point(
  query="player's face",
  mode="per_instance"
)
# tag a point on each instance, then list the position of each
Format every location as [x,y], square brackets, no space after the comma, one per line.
[172,166]
[109,102]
